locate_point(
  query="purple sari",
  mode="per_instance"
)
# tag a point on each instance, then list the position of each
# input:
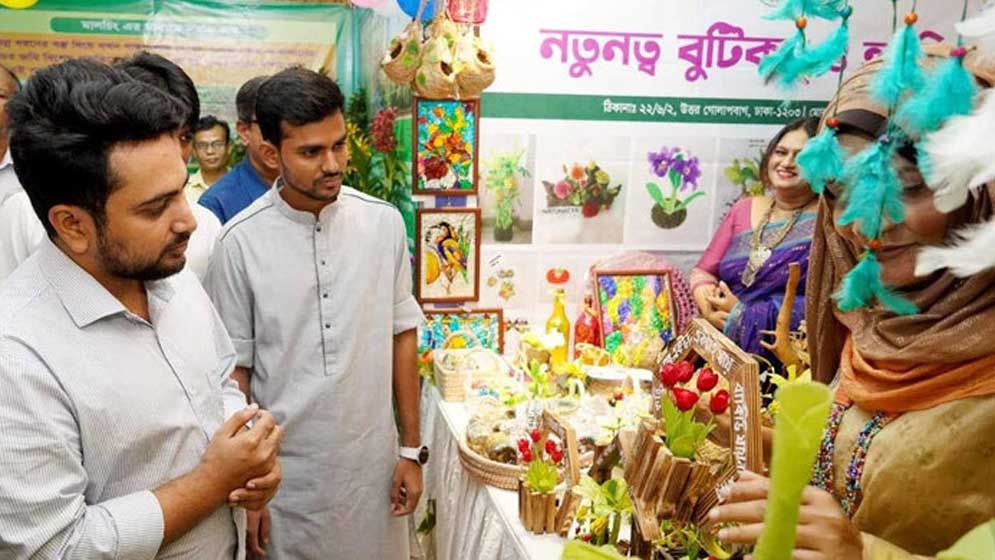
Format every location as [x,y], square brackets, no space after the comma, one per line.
[760,303]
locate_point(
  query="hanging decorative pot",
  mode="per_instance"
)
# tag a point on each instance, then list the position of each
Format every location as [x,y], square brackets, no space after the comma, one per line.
[468,11]
[404,55]
[474,66]
[436,77]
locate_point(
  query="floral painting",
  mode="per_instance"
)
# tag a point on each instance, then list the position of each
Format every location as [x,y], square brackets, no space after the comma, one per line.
[448,256]
[589,187]
[636,310]
[445,140]
[681,170]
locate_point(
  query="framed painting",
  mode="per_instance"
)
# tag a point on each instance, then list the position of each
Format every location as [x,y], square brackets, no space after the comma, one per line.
[465,328]
[635,307]
[446,141]
[447,257]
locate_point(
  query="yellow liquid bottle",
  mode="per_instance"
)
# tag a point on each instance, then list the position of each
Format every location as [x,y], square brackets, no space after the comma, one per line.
[558,322]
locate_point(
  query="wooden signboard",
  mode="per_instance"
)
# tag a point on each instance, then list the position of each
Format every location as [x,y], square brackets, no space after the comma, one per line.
[705,342]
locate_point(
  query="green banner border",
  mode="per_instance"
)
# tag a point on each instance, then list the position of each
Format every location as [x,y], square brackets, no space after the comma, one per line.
[696,110]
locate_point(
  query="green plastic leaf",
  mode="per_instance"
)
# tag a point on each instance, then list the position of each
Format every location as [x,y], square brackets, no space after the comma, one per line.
[655,193]
[577,550]
[978,544]
[734,174]
[804,409]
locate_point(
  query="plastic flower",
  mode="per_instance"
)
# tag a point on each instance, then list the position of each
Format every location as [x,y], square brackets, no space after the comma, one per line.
[691,172]
[661,161]
[577,173]
[382,130]
[601,177]
[562,190]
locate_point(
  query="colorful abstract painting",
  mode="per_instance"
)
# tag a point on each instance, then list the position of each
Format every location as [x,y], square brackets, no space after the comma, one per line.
[476,328]
[446,144]
[634,308]
[448,256]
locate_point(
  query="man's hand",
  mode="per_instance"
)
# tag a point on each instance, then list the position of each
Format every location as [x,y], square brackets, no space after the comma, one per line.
[235,455]
[257,533]
[258,491]
[407,488]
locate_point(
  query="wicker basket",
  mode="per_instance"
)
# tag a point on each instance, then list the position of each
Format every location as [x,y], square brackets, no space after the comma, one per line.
[404,55]
[451,379]
[475,67]
[486,471]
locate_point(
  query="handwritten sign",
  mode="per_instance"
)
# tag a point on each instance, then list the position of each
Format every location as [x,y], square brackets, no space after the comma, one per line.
[704,341]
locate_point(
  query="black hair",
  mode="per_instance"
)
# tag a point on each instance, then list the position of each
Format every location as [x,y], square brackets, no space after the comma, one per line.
[210,121]
[159,71]
[13,76]
[295,96]
[811,127]
[64,124]
[245,99]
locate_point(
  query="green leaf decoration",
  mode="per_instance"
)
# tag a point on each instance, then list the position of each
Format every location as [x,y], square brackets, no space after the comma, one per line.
[804,409]
[655,193]
[734,174]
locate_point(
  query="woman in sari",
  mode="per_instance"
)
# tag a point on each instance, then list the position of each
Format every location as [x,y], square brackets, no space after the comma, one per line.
[739,283]
[905,467]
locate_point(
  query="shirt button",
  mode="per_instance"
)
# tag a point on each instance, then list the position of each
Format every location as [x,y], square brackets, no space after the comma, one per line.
[324,296]
[318,228]
[322,263]
[328,325]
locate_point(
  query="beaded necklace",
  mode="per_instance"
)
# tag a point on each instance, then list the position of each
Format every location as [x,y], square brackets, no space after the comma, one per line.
[823,475]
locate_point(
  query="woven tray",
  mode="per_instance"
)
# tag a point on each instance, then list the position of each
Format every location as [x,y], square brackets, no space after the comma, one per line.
[488,472]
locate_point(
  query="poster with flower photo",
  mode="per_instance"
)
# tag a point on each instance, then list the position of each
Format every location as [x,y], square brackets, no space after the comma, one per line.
[446,147]
[670,203]
[580,189]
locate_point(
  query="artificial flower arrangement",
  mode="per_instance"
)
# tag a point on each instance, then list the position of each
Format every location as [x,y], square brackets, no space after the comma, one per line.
[682,171]
[588,187]
[503,180]
[542,459]
[603,510]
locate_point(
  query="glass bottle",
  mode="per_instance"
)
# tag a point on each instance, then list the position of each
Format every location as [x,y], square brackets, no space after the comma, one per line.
[558,322]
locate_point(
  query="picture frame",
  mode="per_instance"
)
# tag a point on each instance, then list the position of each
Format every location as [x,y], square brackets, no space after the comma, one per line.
[441,324]
[617,314]
[447,255]
[442,129]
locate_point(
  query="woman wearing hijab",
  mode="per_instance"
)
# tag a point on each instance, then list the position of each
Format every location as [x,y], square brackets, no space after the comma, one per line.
[906,461]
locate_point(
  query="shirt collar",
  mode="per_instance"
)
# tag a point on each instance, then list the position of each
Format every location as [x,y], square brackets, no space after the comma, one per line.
[299,216]
[86,300]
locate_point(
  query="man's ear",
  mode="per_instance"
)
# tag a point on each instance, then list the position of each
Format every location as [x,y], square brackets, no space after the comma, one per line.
[270,154]
[74,226]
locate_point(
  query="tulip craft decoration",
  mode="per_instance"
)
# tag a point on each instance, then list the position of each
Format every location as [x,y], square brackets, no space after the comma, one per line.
[682,171]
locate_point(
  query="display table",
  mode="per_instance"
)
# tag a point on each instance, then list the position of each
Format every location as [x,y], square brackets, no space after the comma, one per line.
[473,520]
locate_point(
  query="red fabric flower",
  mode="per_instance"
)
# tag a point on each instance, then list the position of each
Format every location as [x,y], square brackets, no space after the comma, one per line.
[382,130]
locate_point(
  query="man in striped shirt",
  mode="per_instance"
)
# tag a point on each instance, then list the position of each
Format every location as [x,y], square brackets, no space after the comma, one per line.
[114,366]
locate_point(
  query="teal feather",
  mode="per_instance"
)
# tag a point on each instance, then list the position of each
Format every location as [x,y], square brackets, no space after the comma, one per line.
[949,91]
[786,62]
[820,59]
[862,286]
[793,9]
[901,71]
[821,160]
[873,190]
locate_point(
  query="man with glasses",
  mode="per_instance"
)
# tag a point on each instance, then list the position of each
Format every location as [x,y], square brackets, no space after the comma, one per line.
[210,149]
[252,177]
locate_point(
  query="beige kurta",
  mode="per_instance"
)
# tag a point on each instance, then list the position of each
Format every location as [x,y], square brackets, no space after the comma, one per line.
[929,476]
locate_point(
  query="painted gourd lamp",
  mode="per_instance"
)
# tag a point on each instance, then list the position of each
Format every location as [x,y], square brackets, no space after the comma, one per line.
[468,11]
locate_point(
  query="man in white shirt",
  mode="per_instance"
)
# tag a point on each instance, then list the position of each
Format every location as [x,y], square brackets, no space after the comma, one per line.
[9,85]
[313,282]
[115,367]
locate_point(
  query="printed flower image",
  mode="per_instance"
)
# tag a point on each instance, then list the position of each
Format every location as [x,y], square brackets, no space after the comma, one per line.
[585,186]
[682,170]
[446,146]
